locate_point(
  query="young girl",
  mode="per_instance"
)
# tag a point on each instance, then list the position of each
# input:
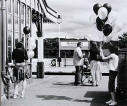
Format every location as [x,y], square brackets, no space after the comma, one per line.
[113,64]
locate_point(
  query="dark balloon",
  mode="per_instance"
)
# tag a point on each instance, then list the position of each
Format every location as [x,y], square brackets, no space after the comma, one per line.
[99,27]
[26,30]
[99,24]
[107,29]
[108,7]
[105,19]
[96,8]
[33,11]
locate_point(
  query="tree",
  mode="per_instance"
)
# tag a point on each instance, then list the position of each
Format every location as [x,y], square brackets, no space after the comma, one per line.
[122,43]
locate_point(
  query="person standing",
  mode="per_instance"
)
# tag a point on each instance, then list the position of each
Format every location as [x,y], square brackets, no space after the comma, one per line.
[113,65]
[95,64]
[19,55]
[78,63]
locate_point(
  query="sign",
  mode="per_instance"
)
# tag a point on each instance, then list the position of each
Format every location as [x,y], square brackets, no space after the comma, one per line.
[71,44]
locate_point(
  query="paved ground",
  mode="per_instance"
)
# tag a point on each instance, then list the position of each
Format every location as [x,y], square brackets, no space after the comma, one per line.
[59,91]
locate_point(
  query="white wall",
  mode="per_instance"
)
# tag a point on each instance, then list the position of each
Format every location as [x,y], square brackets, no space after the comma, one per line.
[47,62]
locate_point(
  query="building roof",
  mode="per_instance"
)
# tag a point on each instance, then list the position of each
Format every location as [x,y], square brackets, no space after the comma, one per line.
[50,15]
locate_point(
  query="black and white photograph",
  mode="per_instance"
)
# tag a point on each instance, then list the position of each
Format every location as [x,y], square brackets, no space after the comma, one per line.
[63,52]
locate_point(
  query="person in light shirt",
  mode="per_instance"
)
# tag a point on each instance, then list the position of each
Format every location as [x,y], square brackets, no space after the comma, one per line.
[113,65]
[78,63]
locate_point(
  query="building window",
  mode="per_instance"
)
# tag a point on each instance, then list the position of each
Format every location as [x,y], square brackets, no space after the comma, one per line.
[16,37]
[10,22]
[51,48]
[22,9]
[9,30]
[10,38]
[9,7]
[16,22]
[28,16]
[66,53]
[35,4]
[16,6]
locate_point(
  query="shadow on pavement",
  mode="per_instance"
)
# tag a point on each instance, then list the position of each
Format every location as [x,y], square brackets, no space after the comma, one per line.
[54,97]
[61,83]
[85,101]
[90,85]
[72,84]
[99,97]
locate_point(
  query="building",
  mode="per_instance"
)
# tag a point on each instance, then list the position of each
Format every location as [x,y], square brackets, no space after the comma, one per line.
[22,20]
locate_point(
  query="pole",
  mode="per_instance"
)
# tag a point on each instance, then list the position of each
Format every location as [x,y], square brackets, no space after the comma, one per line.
[1,52]
[59,46]
[65,55]
[3,33]
[0,36]
[59,21]
[59,40]
[3,39]
[65,58]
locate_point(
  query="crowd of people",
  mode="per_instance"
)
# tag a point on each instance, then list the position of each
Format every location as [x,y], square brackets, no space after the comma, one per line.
[96,56]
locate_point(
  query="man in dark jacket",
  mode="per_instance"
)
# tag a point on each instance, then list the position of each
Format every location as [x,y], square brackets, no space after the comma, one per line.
[19,55]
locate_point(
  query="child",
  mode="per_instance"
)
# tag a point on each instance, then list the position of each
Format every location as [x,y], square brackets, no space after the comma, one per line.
[113,64]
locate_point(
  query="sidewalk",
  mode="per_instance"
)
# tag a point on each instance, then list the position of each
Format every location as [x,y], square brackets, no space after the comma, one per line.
[60,91]
[66,69]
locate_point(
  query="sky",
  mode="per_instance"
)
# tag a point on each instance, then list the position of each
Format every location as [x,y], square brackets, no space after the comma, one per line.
[76,17]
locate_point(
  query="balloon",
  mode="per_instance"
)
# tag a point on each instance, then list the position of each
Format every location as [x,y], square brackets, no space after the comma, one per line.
[108,7]
[102,13]
[96,8]
[99,27]
[32,46]
[99,24]
[31,43]
[26,30]
[30,53]
[107,29]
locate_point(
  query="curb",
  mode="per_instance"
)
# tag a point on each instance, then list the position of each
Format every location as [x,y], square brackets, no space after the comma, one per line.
[67,73]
